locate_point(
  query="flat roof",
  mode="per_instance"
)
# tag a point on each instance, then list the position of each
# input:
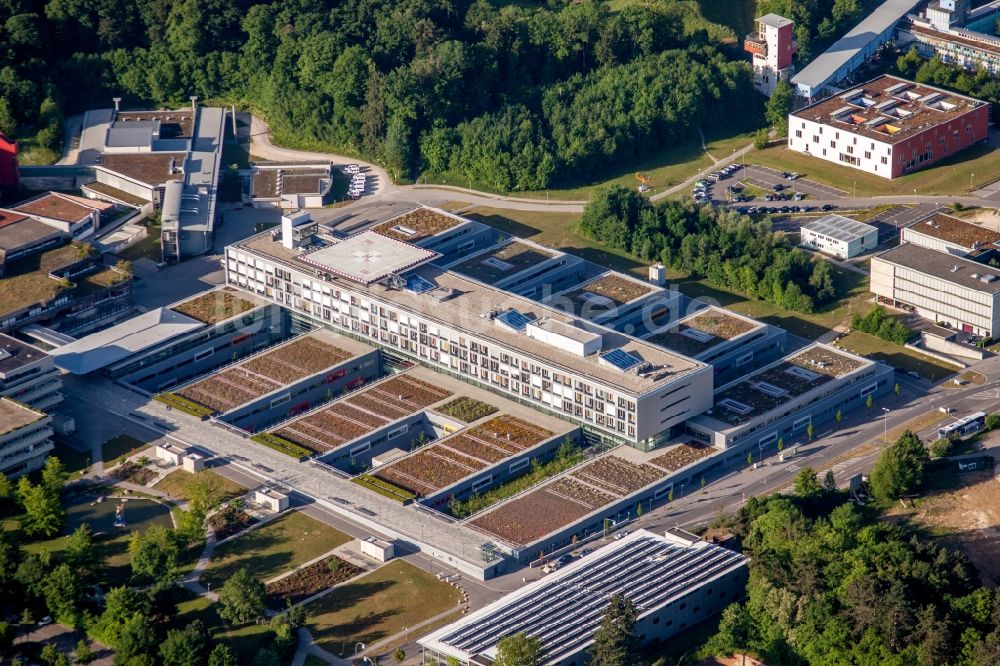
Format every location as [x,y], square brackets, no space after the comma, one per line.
[28,282]
[422,222]
[272,369]
[942,265]
[15,354]
[57,207]
[147,168]
[105,190]
[17,231]
[460,303]
[704,330]
[217,305]
[773,20]
[840,228]
[173,124]
[367,257]
[603,293]
[503,261]
[889,109]
[132,336]
[954,230]
[985,45]
[780,382]
[14,415]
[565,608]
[819,72]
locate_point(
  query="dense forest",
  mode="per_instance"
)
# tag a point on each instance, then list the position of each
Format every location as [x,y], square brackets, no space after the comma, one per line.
[728,249]
[835,583]
[516,96]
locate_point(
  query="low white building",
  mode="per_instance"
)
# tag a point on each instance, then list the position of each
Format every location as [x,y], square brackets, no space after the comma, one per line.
[942,287]
[674,580]
[271,499]
[377,549]
[839,236]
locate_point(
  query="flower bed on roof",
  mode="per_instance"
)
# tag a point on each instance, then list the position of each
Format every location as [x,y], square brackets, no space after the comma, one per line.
[467,409]
[228,389]
[618,475]
[530,517]
[361,416]
[427,469]
[510,432]
[214,306]
[296,360]
[682,455]
[580,492]
[476,448]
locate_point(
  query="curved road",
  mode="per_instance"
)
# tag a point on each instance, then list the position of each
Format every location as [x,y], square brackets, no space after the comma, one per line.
[262,146]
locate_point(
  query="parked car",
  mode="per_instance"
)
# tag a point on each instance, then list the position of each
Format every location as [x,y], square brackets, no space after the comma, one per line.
[793,176]
[799,196]
[621,535]
[45,621]
[828,207]
[785,174]
[778,187]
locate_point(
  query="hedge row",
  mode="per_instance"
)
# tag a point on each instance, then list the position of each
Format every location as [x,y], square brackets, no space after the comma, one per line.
[182,404]
[281,445]
[384,488]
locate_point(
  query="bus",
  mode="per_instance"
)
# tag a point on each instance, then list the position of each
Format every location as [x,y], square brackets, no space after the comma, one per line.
[966,425]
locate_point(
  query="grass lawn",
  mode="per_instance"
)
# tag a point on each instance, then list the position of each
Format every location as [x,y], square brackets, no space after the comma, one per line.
[122,445]
[148,247]
[555,230]
[665,169]
[378,605]
[896,355]
[950,176]
[277,547]
[559,230]
[246,641]
[176,484]
[810,326]
[111,542]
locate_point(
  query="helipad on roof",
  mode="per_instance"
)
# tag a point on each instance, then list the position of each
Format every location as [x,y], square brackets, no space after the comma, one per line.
[367,257]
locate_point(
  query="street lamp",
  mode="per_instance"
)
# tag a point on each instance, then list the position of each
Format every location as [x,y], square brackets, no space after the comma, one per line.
[914,196]
[885,425]
[356,647]
[855,189]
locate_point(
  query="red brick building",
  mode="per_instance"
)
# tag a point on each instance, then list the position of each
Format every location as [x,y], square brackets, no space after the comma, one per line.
[8,162]
[889,126]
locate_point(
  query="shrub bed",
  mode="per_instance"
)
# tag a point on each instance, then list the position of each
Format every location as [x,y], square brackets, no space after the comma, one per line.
[185,405]
[133,473]
[281,445]
[227,523]
[384,488]
[307,581]
[467,409]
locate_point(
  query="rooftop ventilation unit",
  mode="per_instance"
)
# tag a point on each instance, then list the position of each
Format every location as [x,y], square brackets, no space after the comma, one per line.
[956,268]
[4,355]
[988,278]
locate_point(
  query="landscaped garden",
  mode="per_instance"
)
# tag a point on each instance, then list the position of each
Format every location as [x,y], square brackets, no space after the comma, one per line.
[274,548]
[530,517]
[295,360]
[133,472]
[378,605]
[179,482]
[307,581]
[360,413]
[572,489]
[617,475]
[232,519]
[215,306]
[681,455]
[422,221]
[466,409]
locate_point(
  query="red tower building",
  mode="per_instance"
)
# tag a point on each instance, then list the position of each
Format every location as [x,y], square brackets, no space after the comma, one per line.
[8,162]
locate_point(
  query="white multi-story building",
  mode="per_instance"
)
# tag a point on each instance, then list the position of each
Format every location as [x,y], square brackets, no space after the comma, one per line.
[772,47]
[383,291]
[888,126]
[28,374]
[25,438]
[839,236]
[942,287]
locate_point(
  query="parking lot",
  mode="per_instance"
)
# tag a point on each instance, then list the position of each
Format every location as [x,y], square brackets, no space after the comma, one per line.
[766,179]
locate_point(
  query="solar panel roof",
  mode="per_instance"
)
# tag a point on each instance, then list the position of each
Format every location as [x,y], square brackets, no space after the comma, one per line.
[513,320]
[620,359]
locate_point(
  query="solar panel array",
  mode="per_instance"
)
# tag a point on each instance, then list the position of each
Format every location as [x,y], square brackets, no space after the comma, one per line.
[418,284]
[564,614]
[513,320]
[621,359]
